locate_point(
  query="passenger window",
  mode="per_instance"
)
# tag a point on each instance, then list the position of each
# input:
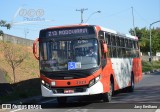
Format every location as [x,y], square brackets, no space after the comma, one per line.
[126,43]
[118,41]
[107,37]
[113,40]
[122,42]
[119,51]
[101,35]
[114,50]
[109,51]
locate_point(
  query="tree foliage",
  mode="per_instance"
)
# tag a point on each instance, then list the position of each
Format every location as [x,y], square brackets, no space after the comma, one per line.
[144,39]
[4,24]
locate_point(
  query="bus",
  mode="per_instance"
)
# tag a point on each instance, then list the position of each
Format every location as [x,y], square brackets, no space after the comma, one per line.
[82,59]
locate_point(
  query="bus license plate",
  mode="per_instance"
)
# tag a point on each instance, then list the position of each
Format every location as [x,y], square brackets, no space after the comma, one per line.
[68,91]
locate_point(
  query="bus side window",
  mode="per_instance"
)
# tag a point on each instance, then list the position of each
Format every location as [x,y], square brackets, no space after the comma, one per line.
[114,50]
[101,35]
[108,38]
[119,51]
[123,52]
[122,42]
[118,41]
[109,54]
[126,43]
[113,39]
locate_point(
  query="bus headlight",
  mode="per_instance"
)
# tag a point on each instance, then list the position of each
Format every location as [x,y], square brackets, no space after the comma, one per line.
[94,81]
[43,82]
[91,83]
[97,78]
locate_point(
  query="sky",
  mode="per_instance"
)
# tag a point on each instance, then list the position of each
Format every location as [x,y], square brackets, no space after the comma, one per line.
[115,14]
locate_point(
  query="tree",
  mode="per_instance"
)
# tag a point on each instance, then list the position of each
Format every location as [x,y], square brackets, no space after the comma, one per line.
[143,35]
[4,24]
[14,55]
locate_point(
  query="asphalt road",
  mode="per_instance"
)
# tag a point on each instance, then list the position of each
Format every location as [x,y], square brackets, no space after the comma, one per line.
[146,95]
[146,92]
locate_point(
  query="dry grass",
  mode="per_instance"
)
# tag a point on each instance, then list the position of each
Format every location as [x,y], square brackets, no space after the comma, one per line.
[28,69]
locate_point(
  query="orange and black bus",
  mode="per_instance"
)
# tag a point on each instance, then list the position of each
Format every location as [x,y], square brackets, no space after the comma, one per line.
[77,60]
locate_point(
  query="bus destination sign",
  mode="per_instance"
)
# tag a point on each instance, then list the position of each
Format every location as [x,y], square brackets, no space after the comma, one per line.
[67,32]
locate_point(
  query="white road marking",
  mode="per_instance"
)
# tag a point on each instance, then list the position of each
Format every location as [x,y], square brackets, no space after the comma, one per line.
[16,110]
[158,110]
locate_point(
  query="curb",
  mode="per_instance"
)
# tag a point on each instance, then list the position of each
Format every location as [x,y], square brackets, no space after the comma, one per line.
[152,71]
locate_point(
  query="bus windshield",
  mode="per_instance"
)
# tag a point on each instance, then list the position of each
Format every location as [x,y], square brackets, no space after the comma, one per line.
[68,55]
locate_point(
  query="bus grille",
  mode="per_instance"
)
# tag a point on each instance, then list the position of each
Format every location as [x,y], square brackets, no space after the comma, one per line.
[76,90]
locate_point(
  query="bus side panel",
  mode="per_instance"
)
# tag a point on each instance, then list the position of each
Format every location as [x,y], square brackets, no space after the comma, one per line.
[122,68]
[137,69]
[140,69]
[106,75]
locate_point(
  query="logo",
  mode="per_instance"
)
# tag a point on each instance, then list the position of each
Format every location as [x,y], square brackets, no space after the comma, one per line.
[32,14]
[6,106]
[74,65]
[71,65]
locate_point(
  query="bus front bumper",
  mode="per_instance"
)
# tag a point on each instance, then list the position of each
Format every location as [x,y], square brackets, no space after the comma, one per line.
[95,89]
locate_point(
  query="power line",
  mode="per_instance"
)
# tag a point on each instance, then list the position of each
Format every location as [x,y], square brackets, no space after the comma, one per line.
[138,14]
[119,12]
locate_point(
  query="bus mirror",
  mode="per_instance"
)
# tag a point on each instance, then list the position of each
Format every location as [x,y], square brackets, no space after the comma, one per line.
[35,48]
[105,49]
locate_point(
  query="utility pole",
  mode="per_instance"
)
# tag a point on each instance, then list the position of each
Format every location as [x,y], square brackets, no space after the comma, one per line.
[133,22]
[150,35]
[81,10]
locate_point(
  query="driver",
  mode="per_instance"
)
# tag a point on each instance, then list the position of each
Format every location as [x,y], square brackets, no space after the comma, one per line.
[91,52]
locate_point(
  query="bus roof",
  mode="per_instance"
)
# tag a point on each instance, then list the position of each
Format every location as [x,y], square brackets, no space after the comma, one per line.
[102,28]
[68,26]
[117,33]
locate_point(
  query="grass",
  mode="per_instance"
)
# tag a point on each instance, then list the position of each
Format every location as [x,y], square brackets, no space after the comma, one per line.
[28,69]
[7,78]
[147,66]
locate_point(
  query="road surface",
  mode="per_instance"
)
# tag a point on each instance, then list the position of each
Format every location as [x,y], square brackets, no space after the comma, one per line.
[146,94]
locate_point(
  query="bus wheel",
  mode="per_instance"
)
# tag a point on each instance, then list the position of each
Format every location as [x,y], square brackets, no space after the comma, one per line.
[107,97]
[62,100]
[131,87]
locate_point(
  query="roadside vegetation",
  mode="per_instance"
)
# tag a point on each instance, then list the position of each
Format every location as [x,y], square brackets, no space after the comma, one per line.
[147,66]
[25,83]
[143,35]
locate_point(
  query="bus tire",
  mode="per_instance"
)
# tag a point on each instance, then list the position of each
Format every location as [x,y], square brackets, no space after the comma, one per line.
[131,87]
[107,97]
[62,100]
